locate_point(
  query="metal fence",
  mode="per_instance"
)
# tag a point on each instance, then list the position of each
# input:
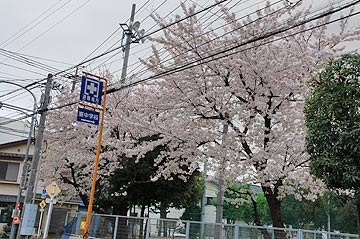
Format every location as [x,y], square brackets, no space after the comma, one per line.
[120,227]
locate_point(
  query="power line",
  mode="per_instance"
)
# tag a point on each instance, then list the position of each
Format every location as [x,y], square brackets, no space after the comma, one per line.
[112,36]
[8,43]
[174,70]
[254,39]
[191,64]
[20,68]
[54,25]
[143,69]
[102,43]
[20,58]
[177,69]
[143,37]
[13,134]
[162,51]
[205,9]
[154,10]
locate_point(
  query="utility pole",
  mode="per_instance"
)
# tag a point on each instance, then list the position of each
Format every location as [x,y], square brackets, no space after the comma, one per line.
[133,35]
[38,143]
[128,35]
[329,215]
[203,203]
[14,227]
[220,196]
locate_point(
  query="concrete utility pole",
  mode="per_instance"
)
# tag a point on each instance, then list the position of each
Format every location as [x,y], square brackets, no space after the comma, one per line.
[25,162]
[39,139]
[203,203]
[133,34]
[220,196]
[128,41]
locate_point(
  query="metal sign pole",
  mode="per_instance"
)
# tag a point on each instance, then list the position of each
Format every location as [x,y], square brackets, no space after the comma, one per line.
[40,221]
[48,218]
[90,206]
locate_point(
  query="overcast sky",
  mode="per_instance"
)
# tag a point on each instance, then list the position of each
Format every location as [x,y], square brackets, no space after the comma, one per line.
[68,31]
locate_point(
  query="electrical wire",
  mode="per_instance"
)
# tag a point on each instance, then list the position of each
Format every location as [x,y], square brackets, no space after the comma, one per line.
[6,43]
[162,51]
[253,40]
[54,25]
[103,63]
[110,91]
[143,69]
[189,65]
[229,32]
[154,10]
[113,35]
[20,58]
[143,37]
[20,68]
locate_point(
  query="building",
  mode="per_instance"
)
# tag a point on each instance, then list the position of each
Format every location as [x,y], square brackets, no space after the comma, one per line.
[13,142]
[11,165]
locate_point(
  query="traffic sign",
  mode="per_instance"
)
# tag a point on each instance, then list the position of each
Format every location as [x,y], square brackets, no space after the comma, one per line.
[16,220]
[53,186]
[88,116]
[43,193]
[91,90]
[42,204]
[48,200]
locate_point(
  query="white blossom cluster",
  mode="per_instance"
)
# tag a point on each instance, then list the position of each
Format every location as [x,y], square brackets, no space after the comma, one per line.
[258,93]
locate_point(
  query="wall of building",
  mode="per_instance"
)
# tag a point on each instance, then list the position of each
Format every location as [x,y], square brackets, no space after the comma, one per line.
[17,149]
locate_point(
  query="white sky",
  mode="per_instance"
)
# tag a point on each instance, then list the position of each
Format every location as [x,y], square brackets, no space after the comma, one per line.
[71,33]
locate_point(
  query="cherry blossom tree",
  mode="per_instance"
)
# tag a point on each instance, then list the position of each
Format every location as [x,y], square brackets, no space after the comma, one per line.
[232,96]
[256,90]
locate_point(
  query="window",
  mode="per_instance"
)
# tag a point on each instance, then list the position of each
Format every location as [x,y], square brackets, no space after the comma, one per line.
[9,171]
[5,214]
[211,201]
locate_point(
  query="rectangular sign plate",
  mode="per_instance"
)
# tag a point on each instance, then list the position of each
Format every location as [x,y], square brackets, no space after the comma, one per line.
[91,90]
[88,116]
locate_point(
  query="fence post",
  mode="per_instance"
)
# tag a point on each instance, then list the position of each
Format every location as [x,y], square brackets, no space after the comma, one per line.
[236,231]
[116,226]
[273,233]
[78,222]
[299,234]
[187,230]
[148,225]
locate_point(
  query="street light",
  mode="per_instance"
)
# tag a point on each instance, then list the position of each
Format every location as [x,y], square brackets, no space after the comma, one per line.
[26,157]
[133,35]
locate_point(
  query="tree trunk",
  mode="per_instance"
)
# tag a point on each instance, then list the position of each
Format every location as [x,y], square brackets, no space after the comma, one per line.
[257,220]
[275,210]
[142,212]
[121,209]
[358,214]
[162,224]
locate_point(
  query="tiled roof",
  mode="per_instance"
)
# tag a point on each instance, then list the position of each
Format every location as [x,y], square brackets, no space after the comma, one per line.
[13,155]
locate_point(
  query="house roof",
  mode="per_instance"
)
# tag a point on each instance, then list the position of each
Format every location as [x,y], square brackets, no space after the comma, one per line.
[14,143]
[13,155]
[11,131]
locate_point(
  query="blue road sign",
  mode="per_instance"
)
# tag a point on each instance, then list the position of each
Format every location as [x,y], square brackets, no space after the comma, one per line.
[43,193]
[91,90]
[88,116]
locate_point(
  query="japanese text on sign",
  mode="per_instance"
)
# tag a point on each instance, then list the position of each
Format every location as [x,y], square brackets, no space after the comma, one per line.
[91,90]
